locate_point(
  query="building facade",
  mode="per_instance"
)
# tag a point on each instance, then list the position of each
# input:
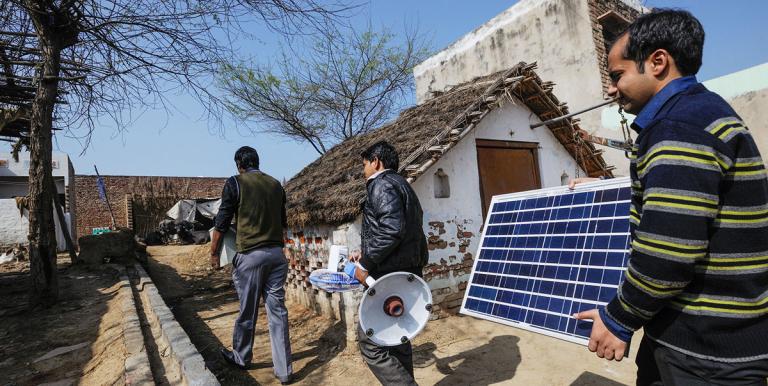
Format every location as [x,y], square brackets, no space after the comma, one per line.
[457,150]
[568,39]
[14,182]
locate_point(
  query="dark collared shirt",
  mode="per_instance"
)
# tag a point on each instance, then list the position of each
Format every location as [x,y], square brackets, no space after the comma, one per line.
[652,108]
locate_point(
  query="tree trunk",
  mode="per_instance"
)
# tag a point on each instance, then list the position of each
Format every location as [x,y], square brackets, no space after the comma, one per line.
[42,236]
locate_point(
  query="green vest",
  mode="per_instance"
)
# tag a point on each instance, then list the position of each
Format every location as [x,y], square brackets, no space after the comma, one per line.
[260,212]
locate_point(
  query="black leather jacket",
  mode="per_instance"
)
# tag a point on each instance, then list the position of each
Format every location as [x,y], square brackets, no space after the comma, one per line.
[392,237]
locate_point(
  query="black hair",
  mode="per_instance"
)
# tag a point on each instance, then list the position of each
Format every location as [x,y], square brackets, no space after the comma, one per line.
[674,30]
[384,152]
[246,158]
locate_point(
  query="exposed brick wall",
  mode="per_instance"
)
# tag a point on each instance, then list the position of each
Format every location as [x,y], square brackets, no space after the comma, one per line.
[91,212]
[306,252]
[453,238]
[309,249]
[598,8]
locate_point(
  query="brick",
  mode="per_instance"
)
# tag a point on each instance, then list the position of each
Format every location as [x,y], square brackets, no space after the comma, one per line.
[134,340]
[196,374]
[600,7]
[453,311]
[137,370]
[453,303]
[454,296]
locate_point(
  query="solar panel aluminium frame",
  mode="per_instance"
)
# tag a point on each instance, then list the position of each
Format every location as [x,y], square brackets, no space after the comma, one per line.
[621,182]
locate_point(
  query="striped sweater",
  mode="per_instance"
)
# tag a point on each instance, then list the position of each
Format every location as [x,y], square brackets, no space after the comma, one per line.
[697,278]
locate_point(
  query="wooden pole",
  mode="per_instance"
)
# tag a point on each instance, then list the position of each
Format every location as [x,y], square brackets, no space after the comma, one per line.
[63,222]
[106,198]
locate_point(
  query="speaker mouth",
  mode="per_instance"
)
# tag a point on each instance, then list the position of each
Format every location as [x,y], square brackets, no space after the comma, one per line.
[393,306]
[403,297]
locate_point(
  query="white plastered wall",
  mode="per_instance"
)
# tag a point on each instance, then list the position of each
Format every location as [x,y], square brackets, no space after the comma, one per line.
[556,34]
[14,228]
[452,219]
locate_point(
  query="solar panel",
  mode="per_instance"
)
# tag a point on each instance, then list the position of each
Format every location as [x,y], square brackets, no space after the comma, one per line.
[546,254]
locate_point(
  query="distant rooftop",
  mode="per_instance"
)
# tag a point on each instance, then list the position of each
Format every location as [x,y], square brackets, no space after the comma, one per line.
[740,82]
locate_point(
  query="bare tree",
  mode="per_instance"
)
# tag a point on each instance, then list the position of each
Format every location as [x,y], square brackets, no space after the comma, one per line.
[111,57]
[346,85]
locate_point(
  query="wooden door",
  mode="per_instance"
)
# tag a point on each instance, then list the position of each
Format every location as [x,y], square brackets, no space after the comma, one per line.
[506,167]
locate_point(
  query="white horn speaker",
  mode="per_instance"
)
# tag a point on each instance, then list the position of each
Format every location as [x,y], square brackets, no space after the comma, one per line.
[395,308]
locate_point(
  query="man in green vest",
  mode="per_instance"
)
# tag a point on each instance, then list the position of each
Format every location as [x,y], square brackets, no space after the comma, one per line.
[257,202]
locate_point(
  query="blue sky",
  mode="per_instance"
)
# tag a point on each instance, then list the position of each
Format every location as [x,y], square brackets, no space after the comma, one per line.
[181,144]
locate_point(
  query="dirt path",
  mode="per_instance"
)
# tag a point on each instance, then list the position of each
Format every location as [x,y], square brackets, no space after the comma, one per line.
[79,340]
[452,351]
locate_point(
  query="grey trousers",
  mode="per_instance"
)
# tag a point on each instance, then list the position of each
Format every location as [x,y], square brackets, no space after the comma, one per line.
[262,272]
[391,365]
[659,365]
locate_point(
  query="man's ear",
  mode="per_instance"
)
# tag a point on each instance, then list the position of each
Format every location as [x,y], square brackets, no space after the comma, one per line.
[659,62]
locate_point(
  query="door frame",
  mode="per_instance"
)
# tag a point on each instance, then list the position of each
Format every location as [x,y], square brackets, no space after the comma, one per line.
[494,143]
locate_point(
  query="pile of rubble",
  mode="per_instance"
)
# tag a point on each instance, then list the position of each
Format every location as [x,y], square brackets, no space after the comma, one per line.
[120,246]
[17,253]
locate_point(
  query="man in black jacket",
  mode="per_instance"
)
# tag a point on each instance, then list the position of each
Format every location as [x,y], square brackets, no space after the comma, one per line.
[392,240]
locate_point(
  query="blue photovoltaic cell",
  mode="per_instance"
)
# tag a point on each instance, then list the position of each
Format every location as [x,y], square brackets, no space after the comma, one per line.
[547,254]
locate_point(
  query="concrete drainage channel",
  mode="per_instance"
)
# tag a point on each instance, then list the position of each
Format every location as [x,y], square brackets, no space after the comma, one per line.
[137,368]
[167,349]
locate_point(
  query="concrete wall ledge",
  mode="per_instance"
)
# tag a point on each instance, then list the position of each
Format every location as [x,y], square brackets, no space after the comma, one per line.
[137,367]
[186,358]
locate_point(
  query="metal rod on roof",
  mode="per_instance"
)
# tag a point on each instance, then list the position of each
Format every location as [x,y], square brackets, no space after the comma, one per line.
[558,119]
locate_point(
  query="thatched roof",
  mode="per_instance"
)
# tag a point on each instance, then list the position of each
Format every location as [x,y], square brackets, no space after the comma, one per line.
[330,189]
[19,64]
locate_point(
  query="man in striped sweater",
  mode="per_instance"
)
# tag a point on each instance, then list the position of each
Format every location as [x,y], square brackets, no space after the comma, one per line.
[697,280]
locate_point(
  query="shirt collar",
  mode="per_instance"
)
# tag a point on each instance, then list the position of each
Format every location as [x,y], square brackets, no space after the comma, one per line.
[374,175]
[652,108]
